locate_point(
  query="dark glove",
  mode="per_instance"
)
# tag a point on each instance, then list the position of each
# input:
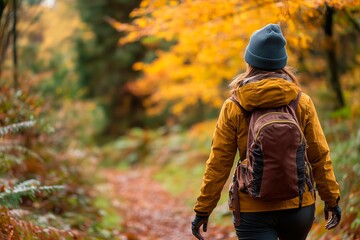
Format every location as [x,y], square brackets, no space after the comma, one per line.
[335,216]
[196,224]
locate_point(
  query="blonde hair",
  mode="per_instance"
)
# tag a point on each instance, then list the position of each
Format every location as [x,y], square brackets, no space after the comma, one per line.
[252,71]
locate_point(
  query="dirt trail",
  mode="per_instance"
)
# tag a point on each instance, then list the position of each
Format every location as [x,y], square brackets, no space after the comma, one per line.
[150,213]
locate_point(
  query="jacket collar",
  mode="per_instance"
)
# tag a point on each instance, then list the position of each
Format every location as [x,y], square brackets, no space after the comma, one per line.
[266,93]
[266,75]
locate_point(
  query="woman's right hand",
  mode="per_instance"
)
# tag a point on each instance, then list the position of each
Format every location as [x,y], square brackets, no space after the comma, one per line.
[196,224]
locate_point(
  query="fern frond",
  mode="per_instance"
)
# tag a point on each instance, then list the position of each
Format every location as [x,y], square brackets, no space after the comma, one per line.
[52,188]
[12,197]
[18,213]
[28,183]
[10,159]
[16,127]
[20,149]
[44,233]
[7,161]
[12,227]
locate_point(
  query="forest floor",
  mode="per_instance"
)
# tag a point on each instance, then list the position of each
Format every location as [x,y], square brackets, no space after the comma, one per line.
[149,212]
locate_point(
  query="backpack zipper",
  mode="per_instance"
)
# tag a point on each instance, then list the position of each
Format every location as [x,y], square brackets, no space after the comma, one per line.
[302,138]
[271,113]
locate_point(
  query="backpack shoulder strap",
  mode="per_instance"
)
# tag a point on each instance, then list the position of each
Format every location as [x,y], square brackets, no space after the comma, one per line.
[294,103]
[246,113]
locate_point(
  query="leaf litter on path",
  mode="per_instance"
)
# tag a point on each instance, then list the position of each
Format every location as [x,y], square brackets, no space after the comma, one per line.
[151,213]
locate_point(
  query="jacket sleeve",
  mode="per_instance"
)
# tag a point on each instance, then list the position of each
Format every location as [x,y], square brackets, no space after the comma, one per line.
[220,161]
[319,158]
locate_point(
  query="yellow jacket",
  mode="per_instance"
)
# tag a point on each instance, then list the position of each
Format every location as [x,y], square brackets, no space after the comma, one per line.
[230,135]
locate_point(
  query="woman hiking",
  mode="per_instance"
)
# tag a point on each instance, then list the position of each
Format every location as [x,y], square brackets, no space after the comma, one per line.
[266,205]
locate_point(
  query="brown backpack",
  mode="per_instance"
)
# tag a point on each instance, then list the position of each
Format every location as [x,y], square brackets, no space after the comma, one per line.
[276,166]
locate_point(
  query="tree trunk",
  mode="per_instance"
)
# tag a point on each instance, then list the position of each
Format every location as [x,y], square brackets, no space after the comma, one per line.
[333,79]
[4,32]
[15,62]
[2,7]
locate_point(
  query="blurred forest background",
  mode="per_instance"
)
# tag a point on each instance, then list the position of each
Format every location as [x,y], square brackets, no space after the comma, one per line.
[108,107]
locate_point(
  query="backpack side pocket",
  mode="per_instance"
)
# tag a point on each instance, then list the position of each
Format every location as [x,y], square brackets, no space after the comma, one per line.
[231,199]
[244,175]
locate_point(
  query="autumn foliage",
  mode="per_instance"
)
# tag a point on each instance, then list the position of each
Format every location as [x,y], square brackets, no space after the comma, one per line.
[209,40]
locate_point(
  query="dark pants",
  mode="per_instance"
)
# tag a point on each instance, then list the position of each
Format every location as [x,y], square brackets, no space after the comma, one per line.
[291,224]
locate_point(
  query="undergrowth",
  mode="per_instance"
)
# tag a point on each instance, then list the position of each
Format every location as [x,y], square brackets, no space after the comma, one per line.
[46,176]
[13,191]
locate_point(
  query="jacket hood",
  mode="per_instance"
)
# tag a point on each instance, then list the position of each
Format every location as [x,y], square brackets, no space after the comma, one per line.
[266,93]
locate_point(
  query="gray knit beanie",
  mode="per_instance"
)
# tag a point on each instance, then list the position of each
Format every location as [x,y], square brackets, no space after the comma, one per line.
[266,49]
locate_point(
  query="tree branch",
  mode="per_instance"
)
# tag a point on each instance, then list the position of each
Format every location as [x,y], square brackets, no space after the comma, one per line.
[352,20]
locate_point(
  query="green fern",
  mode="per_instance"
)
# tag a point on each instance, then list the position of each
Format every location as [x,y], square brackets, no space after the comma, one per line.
[20,149]
[16,127]
[12,197]
[8,160]
[16,226]
[11,153]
